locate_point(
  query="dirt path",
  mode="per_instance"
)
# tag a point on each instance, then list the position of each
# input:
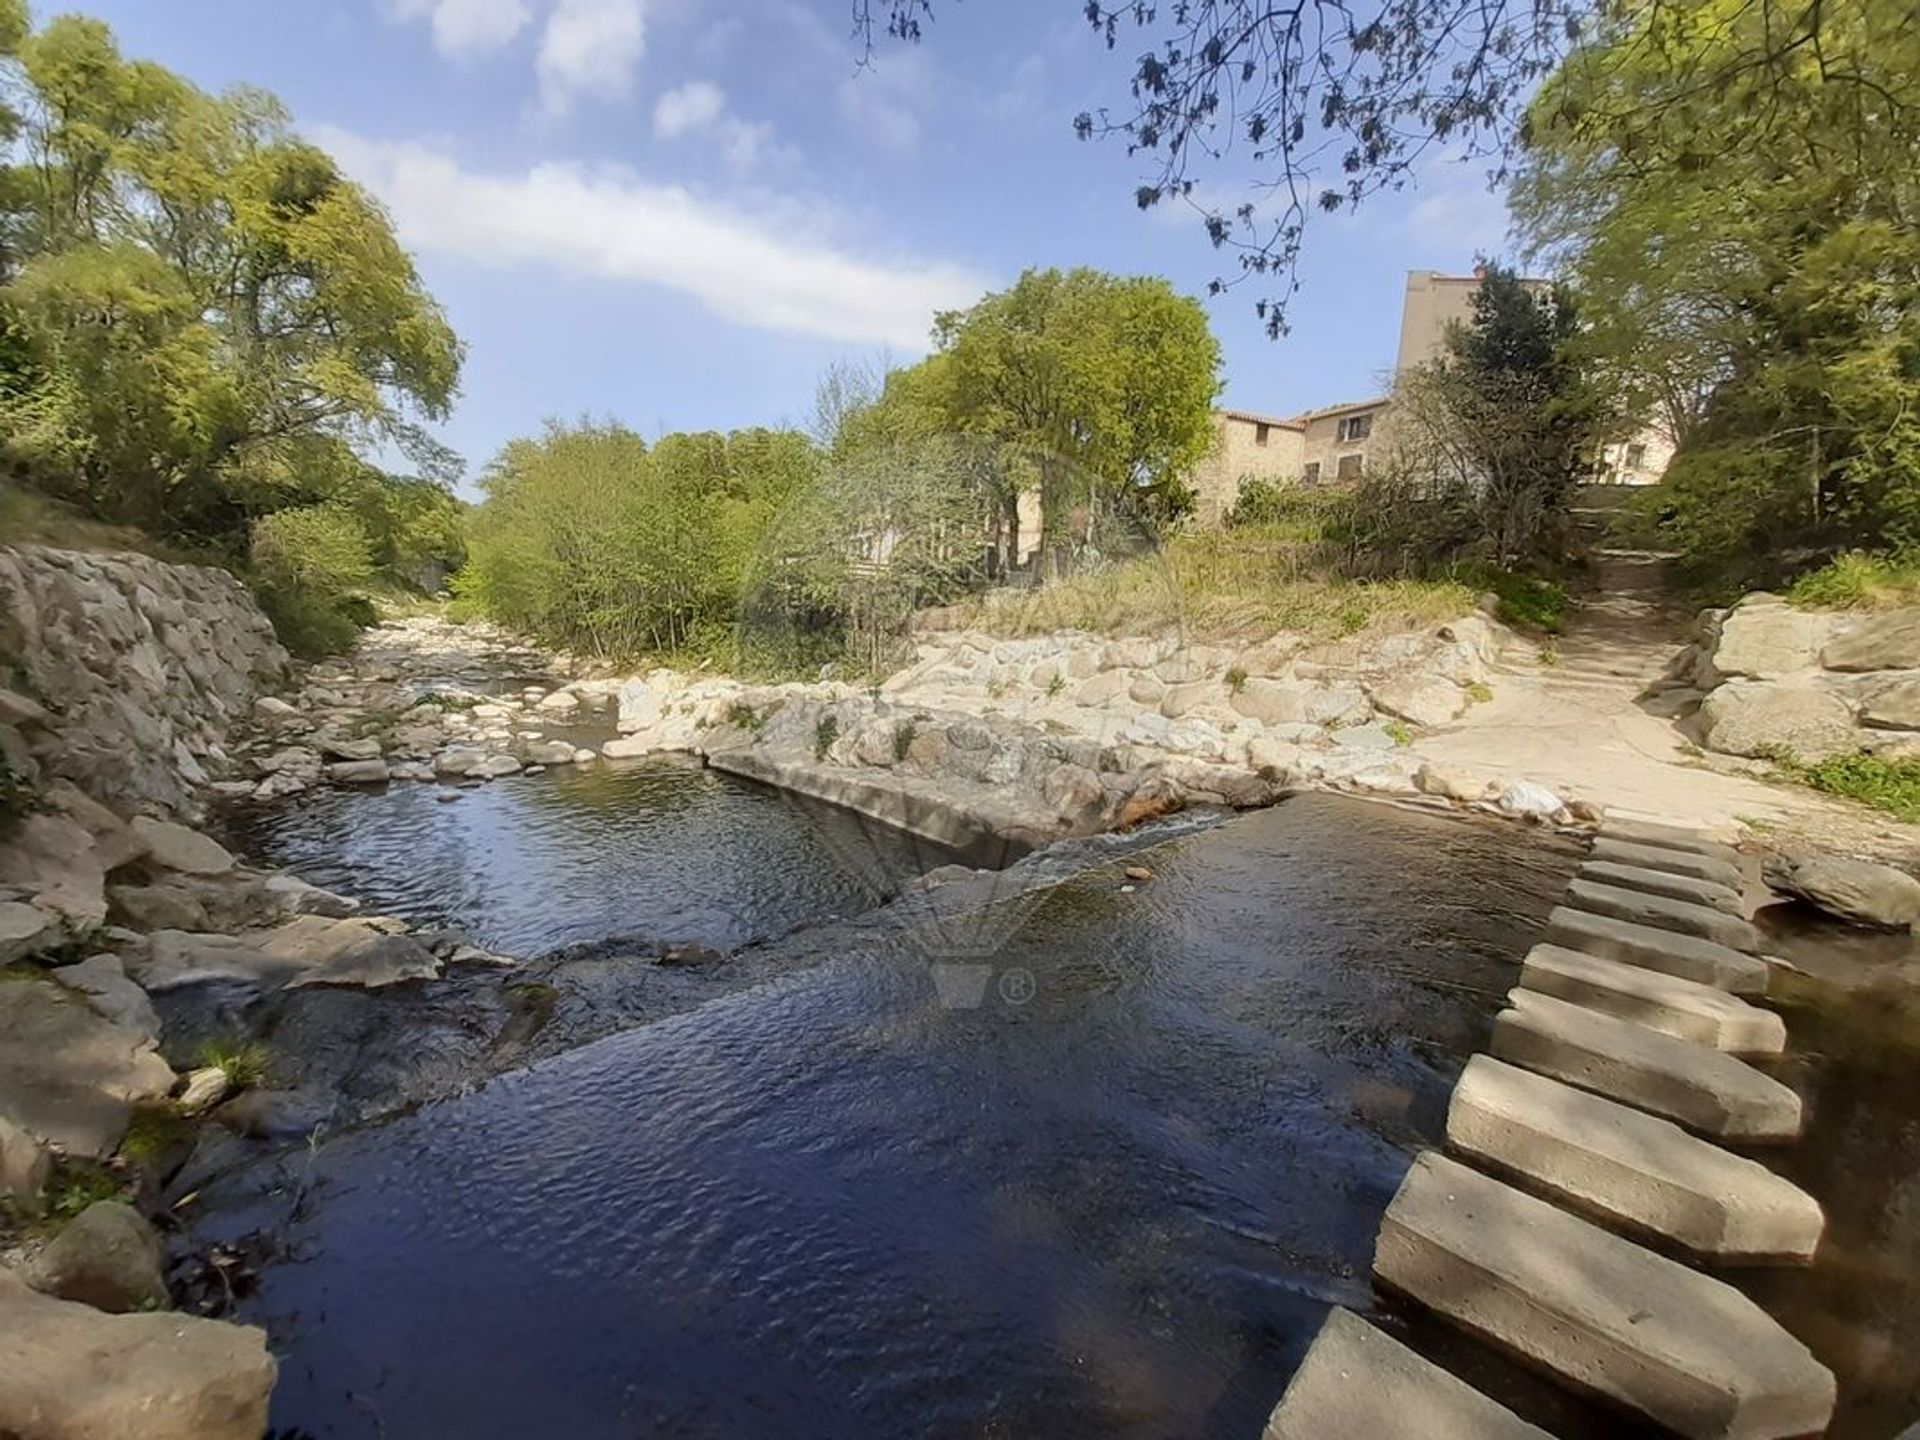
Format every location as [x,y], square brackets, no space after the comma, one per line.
[1578,717]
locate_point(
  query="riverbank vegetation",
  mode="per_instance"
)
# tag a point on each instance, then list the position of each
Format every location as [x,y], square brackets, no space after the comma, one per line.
[204,325]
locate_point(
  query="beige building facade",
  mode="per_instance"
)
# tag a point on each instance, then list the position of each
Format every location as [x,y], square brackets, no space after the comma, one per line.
[1246,446]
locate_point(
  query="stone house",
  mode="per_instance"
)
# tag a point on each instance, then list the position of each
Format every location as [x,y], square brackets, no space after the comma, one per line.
[1247,446]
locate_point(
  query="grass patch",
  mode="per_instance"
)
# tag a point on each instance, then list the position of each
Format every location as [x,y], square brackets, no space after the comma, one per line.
[745,717]
[1399,732]
[904,734]
[824,734]
[242,1061]
[1479,692]
[1526,602]
[1222,587]
[1889,785]
[29,518]
[1859,581]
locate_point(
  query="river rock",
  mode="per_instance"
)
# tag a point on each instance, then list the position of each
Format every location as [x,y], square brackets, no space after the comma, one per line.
[364,747]
[359,772]
[24,1166]
[53,859]
[458,762]
[1186,696]
[1764,638]
[102,981]
[108,1257]
[1337,704]
[560,702]
[1420,699]
[1458,785]
[74,1373]
[550,752]
[308,950]
[202,1090]
[1878,642]
[298,762]
[24,929]
[272,710]
[1526,800]
[175,847]
[1102,689]
[67,1074]
[1777,717]
[1856,890]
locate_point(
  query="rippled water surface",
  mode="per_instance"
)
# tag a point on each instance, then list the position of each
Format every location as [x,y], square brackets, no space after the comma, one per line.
[1112,1198]
[661,850]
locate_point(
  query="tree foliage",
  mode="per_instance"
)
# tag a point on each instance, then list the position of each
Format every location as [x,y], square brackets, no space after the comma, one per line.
[1753,249]
[204,320]
[1321,104]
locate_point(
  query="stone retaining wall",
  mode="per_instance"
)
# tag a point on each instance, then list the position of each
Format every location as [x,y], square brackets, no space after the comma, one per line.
[122,673]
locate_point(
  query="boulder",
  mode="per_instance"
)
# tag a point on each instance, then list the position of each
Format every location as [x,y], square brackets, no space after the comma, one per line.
[1102,689]
[1420,699]
[69,1075]
[175,847]
[460,761]
[364,747]
[1893,707]
[641,706]
[1856,890]
[74,1373]
[493,767]
[1879,642]
[1448,784]
[53,859]
[1271,702]
[25,929]
[1526,800]
[1764,638]
[560,702]
[272,710]
[550,752]
[24,1166]
[159,907]
[108,1257]
[628,747]
[296,897]
[308,950]
[1337,704]
[102,981]
[1777,717]
[1187,695]
[295,761]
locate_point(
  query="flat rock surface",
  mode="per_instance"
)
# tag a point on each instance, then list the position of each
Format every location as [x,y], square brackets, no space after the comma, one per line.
[1668,837]
[1667,951]
[1681,916]
[307,950]
[73,1373]
[102,980]
[1598,1311]
[1710,893]
[1703,1089]
[1684,1009]
[1646,1174]
[175,847]
[1659,857]
[1361,1383]
[69,1075]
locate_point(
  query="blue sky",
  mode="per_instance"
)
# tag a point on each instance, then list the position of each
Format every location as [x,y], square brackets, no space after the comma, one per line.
[678,213]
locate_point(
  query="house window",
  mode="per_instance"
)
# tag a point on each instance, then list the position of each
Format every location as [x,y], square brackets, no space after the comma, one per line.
[1355,427]
[1636,455]
[1312,475]
[1350,467]
[1260,434]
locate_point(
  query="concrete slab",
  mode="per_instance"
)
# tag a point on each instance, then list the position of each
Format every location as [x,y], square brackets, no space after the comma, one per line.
[1359,1382]
[1677,862]
[1652,948]
[1712,894]
[1684,1009]
[1644,1175]
[1680,916]
[1671,837]
[1597,1311]
[1705,1090]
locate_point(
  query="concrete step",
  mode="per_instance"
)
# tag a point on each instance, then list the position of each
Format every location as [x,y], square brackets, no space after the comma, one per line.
[1674,862]
[1640,1173]
[1706,1090]
[1667,951]
[1671,837]
[1359,1382]
[1680,916]
[1661,882]
[1684,1009]
[1600,1313]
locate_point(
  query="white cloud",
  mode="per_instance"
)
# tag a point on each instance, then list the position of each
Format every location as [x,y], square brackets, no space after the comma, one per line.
[779,272]
[590,48]
[700,108]
[693,106]
[464,27]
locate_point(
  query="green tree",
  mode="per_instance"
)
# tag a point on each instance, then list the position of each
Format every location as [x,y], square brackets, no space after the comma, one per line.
[1105,383]
[1763,297]
[210,317]
[1505,422]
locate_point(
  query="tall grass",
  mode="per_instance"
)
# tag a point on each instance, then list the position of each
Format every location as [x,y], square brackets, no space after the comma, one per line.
[1859,581]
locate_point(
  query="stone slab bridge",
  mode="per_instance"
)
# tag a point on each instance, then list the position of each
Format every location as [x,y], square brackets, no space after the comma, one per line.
[1593,1132]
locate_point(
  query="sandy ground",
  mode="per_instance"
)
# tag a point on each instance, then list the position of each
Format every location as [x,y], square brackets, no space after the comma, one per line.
[1582,722]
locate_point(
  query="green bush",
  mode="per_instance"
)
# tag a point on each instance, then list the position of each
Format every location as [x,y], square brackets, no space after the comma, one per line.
[1859,581]
[308,568]
[1889,785]
[1527,602]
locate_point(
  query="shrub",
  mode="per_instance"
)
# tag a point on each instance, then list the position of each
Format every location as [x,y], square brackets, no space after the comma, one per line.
[1528,602]
[824,734]
[308,566]
[903,738]
[1859,581]
[745,716]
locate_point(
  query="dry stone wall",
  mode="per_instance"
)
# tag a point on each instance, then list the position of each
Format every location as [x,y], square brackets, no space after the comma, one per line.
[122,673]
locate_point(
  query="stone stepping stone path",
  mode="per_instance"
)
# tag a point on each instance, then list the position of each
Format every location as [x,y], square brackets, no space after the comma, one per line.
[1592,1131]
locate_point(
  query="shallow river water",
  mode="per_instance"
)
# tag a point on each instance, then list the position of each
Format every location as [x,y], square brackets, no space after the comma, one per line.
[1093,1163]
